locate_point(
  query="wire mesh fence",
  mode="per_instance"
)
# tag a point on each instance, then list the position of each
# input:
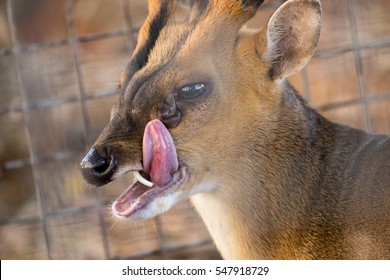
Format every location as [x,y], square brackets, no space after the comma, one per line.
[59,66]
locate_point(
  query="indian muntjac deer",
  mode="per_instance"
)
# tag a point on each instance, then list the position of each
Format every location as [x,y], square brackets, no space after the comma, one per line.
[205,112]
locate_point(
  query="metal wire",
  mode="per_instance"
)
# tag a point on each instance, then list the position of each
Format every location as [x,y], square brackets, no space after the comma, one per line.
[358,64]
[27,113]
[76,57]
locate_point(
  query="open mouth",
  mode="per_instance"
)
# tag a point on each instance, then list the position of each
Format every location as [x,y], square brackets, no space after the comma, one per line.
[139,195]
[161,174]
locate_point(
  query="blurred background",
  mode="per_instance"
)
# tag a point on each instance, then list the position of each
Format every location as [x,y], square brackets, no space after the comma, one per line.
[60,62]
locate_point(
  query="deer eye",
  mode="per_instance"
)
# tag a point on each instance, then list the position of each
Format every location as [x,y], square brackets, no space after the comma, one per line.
[190,92]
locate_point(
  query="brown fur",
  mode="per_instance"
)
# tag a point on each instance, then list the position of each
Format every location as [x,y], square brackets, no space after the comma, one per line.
[270,177]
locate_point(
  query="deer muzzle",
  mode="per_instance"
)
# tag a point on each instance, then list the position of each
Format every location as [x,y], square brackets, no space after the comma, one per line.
[98,167]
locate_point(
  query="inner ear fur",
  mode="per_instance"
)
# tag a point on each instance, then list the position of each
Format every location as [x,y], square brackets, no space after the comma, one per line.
[292,36]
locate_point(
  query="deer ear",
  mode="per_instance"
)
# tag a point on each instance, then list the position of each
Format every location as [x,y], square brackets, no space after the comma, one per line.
[292,36]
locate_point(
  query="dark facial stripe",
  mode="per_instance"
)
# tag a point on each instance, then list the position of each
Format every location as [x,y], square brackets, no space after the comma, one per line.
[140,59]
[157,24]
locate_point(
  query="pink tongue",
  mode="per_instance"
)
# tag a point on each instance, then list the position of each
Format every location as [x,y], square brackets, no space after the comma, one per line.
[159,153]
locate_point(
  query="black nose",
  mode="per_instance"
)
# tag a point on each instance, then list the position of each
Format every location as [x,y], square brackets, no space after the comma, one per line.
[98,167]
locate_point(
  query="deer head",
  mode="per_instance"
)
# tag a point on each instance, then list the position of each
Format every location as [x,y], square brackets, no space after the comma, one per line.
[199,100]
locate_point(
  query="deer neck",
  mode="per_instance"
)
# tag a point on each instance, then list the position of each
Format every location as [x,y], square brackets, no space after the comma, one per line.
[257,212]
